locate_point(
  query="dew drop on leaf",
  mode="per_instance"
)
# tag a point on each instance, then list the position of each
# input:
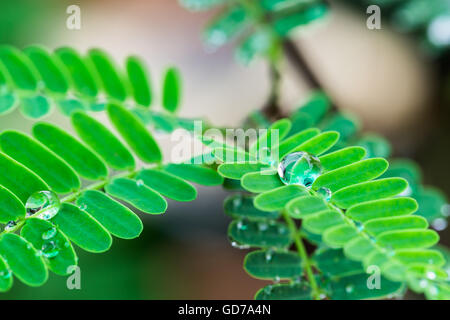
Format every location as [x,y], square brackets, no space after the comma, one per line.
[269,254]
[139,182]
[241,225]
[324,193]
[49,234]
[349,288]
[50,249]
[6,274]
[299,168]
[45,203]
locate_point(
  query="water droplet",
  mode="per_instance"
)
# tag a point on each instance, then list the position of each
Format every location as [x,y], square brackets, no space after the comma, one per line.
[324,193]
[10,225]
[269,254]
[423,283]
[349,288]
[5,274]
[45,203]
[50,233]
[277,279]
[236,245]
[262,226]
[237,202]
[82,206]
[359,226]
[431,275]
[268,289]
[241,226]
[439,224]
[50,249]
[433,291]
[139,182]
[299,168]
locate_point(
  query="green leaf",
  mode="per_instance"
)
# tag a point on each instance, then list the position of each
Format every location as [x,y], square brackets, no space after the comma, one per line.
[58,175]
[56,249]
[408,239]
[368,191]
[6,279]
[281,291]
[19,68]
[11,208]
[80,71]
[334,264]
[260,233]
[100,139]
[134,133]
[138,195]
[382,209]
[8,102]
[167,184]
[272,265]
[238,170]
[414,256]
[345,124]
[259,182]
[23,260]
[431,201]
[228,155]
[82,229]
[171,90]
[355,287]
[375,145]
[34,107]
[294,141]
[18,179]
[318,223]
[50,69]
[338,236]
[351,174]
[272,136]
[277,198]
[195,173]
[111,80]
[287,23]
[377,226]
[225,26]
[115,217]
[86,163]
[342,157]
[139,80]
[318,144]
[358,248]
[303,206]
[239,205]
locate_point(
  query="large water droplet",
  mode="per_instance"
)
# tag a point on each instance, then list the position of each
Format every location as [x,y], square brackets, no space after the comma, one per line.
[299,168]
[50,249]
[45,203]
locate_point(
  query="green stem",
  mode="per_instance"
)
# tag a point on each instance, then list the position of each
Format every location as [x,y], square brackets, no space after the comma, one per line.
[307,266]
[72,197]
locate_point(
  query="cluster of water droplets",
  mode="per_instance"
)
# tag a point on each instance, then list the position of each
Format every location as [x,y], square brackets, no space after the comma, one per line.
[45,203]
[299,168]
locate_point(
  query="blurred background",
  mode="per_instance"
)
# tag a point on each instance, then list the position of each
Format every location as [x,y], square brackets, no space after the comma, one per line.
[387,78]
